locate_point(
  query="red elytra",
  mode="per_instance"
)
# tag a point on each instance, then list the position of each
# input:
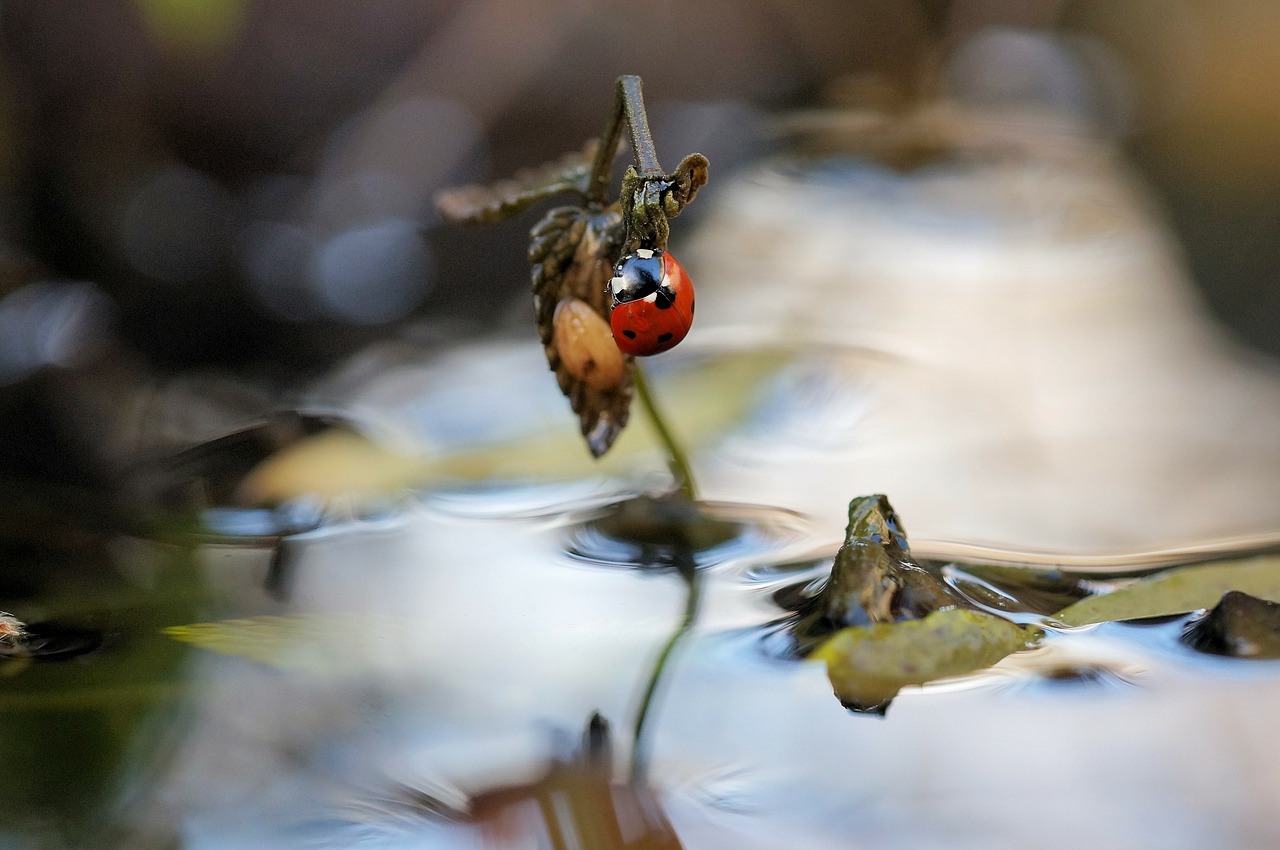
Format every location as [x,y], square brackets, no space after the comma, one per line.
[652,303]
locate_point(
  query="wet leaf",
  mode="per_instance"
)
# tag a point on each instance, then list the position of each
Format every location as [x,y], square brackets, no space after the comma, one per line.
[1018,589]
[652,533]
[1178,591]
[571,252]
[868,665]
[1240,625]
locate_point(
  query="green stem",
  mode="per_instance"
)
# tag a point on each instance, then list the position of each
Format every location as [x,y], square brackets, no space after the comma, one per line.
[639,745]
[675,452]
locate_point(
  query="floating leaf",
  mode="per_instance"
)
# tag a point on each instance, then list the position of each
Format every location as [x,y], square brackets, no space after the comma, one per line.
[1178,591]
[315,643]
[868,665]
[333,463]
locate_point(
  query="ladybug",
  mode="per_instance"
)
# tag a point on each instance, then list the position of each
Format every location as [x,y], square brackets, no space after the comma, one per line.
[652,302]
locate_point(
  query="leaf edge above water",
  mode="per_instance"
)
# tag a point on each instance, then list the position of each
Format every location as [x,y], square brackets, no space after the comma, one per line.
[1179,590]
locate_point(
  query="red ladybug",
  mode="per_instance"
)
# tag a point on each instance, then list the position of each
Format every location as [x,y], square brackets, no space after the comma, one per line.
[652,302]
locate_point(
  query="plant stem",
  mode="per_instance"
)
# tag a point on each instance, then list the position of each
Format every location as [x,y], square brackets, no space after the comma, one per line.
[679,461]
[639,749]
[628,110]
[632,102]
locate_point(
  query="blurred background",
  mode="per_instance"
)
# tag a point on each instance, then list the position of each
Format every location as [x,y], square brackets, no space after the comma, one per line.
[211,203]
[213,211]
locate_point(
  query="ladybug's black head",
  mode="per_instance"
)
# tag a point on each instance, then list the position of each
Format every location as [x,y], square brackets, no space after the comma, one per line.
[636,276]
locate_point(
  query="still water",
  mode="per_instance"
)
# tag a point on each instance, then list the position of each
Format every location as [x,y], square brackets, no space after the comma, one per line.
[423,677]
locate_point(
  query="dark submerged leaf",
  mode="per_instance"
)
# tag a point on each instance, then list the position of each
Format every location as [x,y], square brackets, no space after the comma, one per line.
[1016,589]
[1240,625]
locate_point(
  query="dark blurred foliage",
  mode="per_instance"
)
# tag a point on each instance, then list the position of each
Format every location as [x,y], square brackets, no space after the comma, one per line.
[245,185]
[201,162]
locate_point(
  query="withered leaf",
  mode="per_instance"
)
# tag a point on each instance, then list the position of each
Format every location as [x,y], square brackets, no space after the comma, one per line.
[648,200]
[571,253]
[477,204]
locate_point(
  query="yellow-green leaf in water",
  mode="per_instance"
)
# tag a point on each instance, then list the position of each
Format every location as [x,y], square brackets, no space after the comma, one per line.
[1178,591]
[868,665]
[315,643]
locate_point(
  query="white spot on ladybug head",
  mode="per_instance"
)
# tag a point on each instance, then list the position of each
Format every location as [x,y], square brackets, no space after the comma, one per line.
[618,284]
[652,297]
[645,253]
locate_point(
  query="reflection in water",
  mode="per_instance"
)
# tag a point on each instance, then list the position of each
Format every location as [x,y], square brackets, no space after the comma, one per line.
[646,533]
[90,693]
[575,802]
[409,691]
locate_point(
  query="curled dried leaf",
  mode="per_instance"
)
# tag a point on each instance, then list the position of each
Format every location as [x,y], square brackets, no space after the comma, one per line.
[648,200]
[571,253]
[573,248]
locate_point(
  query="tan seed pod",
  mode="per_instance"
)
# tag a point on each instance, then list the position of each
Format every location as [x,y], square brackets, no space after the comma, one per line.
[586,347]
